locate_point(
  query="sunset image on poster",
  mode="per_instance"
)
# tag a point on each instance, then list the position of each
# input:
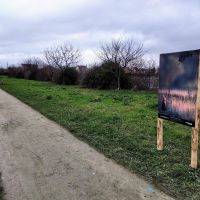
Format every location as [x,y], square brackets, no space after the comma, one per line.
[178,80]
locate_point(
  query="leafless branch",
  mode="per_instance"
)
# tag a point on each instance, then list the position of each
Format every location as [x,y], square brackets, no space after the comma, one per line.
[62,56]
[122,52]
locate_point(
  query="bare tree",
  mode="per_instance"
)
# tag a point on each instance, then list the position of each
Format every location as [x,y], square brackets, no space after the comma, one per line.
[30,67]
[123,53]
[62,57]
[32,61]
[151,64]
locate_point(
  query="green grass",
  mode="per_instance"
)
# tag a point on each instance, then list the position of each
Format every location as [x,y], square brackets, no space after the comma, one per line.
[122,125]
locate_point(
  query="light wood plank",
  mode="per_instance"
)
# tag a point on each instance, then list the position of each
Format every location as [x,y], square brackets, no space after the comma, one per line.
[195,131]
[160,134]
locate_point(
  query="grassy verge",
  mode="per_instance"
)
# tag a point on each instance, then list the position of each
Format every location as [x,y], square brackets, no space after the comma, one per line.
[122,125]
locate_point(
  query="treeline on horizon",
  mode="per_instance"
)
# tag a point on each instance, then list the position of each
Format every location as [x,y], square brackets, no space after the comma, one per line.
[122,66]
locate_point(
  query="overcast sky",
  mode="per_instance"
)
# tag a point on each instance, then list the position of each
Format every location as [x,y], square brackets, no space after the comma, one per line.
[27,27]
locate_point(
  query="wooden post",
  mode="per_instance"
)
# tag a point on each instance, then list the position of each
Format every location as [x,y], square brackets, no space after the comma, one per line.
[160,134]
[194,140]
[195,130]
[194,149]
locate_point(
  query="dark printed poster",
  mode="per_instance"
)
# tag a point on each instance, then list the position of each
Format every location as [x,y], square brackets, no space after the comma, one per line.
[178,79]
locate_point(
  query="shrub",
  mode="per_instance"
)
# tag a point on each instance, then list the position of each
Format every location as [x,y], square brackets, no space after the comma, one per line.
[45,73]
[140,83]
[67,77]
[105,77]
[16,72]
[57,77]
[30,71]
[81,69]
[3,71]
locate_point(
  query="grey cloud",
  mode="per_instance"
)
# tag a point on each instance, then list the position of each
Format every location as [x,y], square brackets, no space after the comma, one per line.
[162,26]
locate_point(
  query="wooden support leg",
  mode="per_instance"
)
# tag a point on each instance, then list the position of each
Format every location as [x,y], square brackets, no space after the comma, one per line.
[160,134]
[194,149]
[195,140]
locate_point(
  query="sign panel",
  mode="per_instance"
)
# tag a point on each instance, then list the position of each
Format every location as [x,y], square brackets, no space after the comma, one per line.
[178,80]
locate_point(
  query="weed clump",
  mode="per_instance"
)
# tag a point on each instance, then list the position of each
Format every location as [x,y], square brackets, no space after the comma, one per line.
[95,99]
[48,97]
[126,101]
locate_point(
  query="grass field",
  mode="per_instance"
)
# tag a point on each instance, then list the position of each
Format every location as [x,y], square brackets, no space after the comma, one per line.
[122,125]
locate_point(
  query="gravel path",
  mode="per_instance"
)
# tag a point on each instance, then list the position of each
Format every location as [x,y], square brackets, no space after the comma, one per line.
[41,160]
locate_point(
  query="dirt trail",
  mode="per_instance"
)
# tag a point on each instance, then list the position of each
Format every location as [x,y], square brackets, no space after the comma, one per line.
[41,160]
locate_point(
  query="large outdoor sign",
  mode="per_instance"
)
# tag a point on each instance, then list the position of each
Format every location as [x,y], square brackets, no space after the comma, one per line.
[179,95]
[178,81]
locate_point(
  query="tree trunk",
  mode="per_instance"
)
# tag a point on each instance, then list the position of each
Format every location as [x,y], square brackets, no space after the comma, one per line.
[118,79]
[63,78]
